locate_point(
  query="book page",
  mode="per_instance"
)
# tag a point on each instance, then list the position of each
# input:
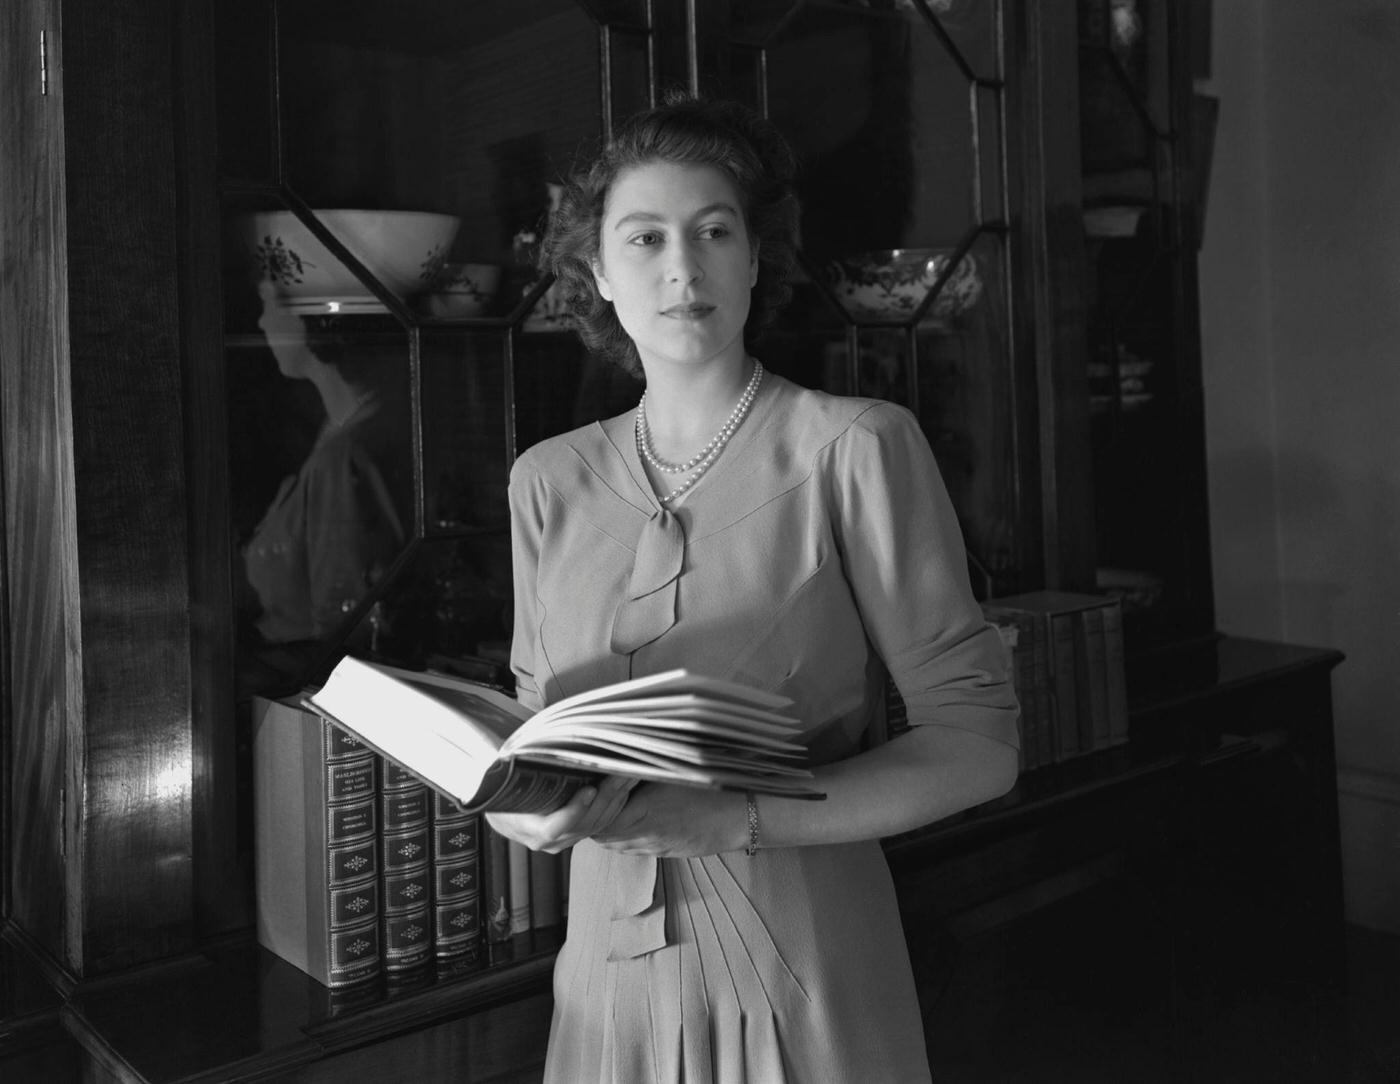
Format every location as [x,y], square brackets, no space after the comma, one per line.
[417,726]
[660,752]
[707,729]
[674,681]
[709,778]
[688,706]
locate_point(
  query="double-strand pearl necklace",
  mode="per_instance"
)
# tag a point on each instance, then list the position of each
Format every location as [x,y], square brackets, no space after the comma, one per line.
[700,462]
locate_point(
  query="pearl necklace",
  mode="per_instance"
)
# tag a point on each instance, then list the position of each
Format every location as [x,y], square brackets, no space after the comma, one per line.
[700,462]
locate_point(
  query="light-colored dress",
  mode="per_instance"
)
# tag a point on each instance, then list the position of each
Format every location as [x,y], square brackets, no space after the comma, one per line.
[820,548]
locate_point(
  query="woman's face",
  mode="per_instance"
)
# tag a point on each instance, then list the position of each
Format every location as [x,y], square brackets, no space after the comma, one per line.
[675,260]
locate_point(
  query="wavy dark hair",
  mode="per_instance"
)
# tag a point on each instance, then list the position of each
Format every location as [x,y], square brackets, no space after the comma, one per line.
[726,135]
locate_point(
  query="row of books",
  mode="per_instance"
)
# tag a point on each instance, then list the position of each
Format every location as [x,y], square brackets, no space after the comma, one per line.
[362,870]
[371,852]
[1067,665]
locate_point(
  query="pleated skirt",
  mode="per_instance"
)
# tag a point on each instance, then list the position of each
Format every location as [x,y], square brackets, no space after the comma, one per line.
[789,967]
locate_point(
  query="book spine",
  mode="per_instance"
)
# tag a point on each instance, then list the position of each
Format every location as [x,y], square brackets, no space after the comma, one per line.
[1096,665]
[1038,702]
[404,854]
[1115,670]
[495,885]
[566,863]
[1033,688]
[545,910]
[456,882]
[1064,681]
[519,862]
[351,875]
[1083,684]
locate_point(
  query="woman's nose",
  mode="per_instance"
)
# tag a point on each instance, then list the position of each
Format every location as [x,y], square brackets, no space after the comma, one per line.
[684,264]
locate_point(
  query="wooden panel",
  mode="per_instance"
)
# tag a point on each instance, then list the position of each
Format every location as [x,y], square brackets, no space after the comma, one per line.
[38,484]
[498,1046]
[1052,208]
[223,872]
[134,813]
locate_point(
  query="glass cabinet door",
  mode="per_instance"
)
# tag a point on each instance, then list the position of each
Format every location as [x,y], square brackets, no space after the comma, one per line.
[897,111]
[387,174]
[1143,353]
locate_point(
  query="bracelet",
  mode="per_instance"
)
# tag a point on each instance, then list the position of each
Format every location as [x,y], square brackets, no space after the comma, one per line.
[752,848]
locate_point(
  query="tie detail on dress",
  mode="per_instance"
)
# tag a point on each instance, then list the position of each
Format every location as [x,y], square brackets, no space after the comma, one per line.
[639,909]
[649,609]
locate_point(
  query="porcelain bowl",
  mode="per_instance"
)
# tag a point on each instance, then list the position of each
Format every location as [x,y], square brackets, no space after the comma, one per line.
[890,284]
[403,250]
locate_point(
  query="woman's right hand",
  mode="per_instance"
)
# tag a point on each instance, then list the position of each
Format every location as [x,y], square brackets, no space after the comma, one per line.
[590,810]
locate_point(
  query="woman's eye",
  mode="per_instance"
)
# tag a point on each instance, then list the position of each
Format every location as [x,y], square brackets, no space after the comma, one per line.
[650,237]
[714,231]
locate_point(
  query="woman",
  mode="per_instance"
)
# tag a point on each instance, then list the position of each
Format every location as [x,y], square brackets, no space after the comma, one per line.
[738,525]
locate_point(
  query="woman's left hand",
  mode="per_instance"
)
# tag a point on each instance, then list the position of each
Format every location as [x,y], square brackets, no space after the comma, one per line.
[678,822]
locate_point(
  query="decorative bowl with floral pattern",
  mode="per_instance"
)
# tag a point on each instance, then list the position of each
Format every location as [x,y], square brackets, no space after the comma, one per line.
[889,285]
[403,250]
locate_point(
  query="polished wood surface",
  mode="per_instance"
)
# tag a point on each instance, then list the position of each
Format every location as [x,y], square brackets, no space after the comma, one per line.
[100,866]
[130,897]
[1053,300]
[235,1011]
[222,868]
[42,676]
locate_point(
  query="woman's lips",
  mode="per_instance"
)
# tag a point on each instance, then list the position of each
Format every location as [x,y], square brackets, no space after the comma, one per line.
[690,311]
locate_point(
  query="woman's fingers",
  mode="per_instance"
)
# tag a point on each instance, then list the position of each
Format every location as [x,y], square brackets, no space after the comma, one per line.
[592,807]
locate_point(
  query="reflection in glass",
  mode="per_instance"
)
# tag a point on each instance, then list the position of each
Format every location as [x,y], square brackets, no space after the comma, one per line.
[338,519]
[879,108]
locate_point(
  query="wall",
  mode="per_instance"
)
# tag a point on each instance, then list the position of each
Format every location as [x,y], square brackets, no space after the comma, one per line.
[1300,285]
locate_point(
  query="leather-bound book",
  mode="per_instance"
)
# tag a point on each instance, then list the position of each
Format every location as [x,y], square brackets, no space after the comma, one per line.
[456,882]
[405,852]
[316,845]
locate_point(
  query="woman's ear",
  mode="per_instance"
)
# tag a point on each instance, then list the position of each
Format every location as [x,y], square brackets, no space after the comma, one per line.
[753,265]
[600,280]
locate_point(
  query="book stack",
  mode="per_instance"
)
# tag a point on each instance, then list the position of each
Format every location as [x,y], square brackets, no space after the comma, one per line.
[362,870]
[1068,670]
[372,856]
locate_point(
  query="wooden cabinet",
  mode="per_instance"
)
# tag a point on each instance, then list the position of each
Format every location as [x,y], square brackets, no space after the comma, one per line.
[150,426]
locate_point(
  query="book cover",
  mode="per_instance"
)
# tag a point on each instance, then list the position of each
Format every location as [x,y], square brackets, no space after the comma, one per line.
[483,749]
[404,855]
[456,865]
[315,811]
[1059,615]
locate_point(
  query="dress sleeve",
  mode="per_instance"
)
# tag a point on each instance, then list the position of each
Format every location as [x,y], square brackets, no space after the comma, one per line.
[527,503]
[904,555]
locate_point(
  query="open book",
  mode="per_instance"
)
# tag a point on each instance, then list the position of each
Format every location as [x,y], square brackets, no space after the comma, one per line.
[483,749]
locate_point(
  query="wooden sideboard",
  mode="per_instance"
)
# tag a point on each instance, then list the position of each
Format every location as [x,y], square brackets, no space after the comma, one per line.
[1222,808]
